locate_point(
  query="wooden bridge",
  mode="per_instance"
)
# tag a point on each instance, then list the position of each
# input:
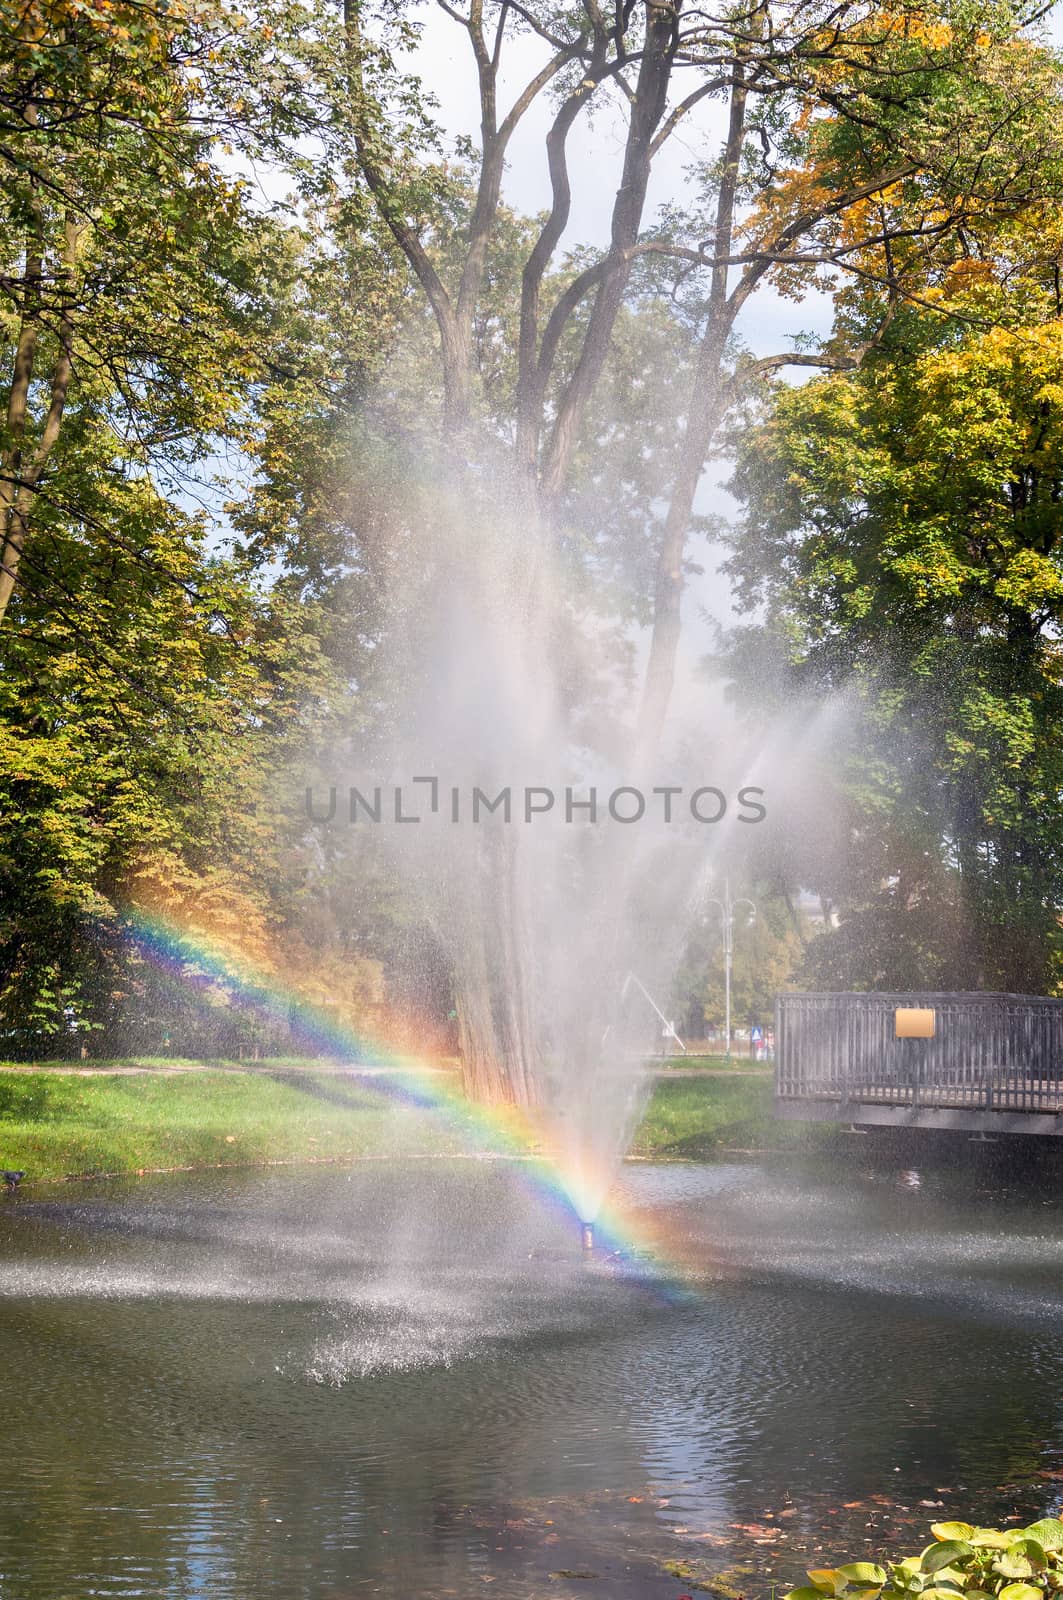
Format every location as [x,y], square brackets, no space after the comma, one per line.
[974,1062]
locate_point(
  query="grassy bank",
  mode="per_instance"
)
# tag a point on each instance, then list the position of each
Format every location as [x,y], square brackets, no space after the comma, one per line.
[698,1117]
[713,1063]
[57,1124]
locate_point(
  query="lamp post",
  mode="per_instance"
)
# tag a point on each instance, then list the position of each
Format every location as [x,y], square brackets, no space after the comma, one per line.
[726,908]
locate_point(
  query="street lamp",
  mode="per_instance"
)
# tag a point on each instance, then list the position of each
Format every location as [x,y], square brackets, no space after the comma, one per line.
[726,908]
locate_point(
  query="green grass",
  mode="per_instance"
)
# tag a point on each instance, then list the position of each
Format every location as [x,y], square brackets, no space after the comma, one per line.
[696,1118]
[717,1063]
[310,1064]
[56,1125]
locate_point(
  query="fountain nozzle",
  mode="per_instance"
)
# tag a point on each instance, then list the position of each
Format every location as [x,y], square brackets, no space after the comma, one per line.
[587,1234]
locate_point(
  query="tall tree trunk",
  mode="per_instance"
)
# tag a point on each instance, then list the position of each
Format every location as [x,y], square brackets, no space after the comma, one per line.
[703,418]
[13,532]
[496,1032]
[20,472]
[650,102]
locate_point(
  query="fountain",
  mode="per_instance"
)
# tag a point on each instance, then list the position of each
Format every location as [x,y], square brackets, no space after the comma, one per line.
[557,864]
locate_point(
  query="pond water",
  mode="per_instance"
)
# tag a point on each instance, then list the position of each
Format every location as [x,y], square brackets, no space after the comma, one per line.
[404,1381]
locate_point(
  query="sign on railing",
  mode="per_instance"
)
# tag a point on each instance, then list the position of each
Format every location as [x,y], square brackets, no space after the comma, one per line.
[914,1022]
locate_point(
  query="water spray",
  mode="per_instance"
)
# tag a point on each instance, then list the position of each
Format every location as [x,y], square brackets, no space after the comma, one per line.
[668,1027]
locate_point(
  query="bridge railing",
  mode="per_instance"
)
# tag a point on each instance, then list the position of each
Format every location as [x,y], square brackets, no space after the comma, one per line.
[988,1051]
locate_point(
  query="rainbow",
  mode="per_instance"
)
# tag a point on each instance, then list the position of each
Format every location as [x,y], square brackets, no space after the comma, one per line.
[191,955]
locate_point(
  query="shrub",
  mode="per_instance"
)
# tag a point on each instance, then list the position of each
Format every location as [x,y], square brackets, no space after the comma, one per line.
[976,1563]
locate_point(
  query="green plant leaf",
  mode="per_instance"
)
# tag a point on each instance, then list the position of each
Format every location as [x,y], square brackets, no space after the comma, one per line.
[1013,1564]
[1020,1591]
[1048,1533]
[1032,1549]
[828,1580]
[944,1553]
[863,1574]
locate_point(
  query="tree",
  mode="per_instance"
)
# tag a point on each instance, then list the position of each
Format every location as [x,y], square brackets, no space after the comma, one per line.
[150,685]
[153,318]
[857,144]
[129,266]
[903,527]
[764,955]
[126,715]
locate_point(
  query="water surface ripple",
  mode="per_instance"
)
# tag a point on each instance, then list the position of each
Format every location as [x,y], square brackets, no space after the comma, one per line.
[405,1381]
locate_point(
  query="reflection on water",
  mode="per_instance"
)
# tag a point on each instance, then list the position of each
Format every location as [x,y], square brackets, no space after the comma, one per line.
[402,1381]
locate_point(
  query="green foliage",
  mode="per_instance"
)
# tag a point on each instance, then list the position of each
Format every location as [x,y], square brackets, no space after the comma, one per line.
[179,653]
[153,684]
[963,1560]
[903,526]
[765,952]
[139,733]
